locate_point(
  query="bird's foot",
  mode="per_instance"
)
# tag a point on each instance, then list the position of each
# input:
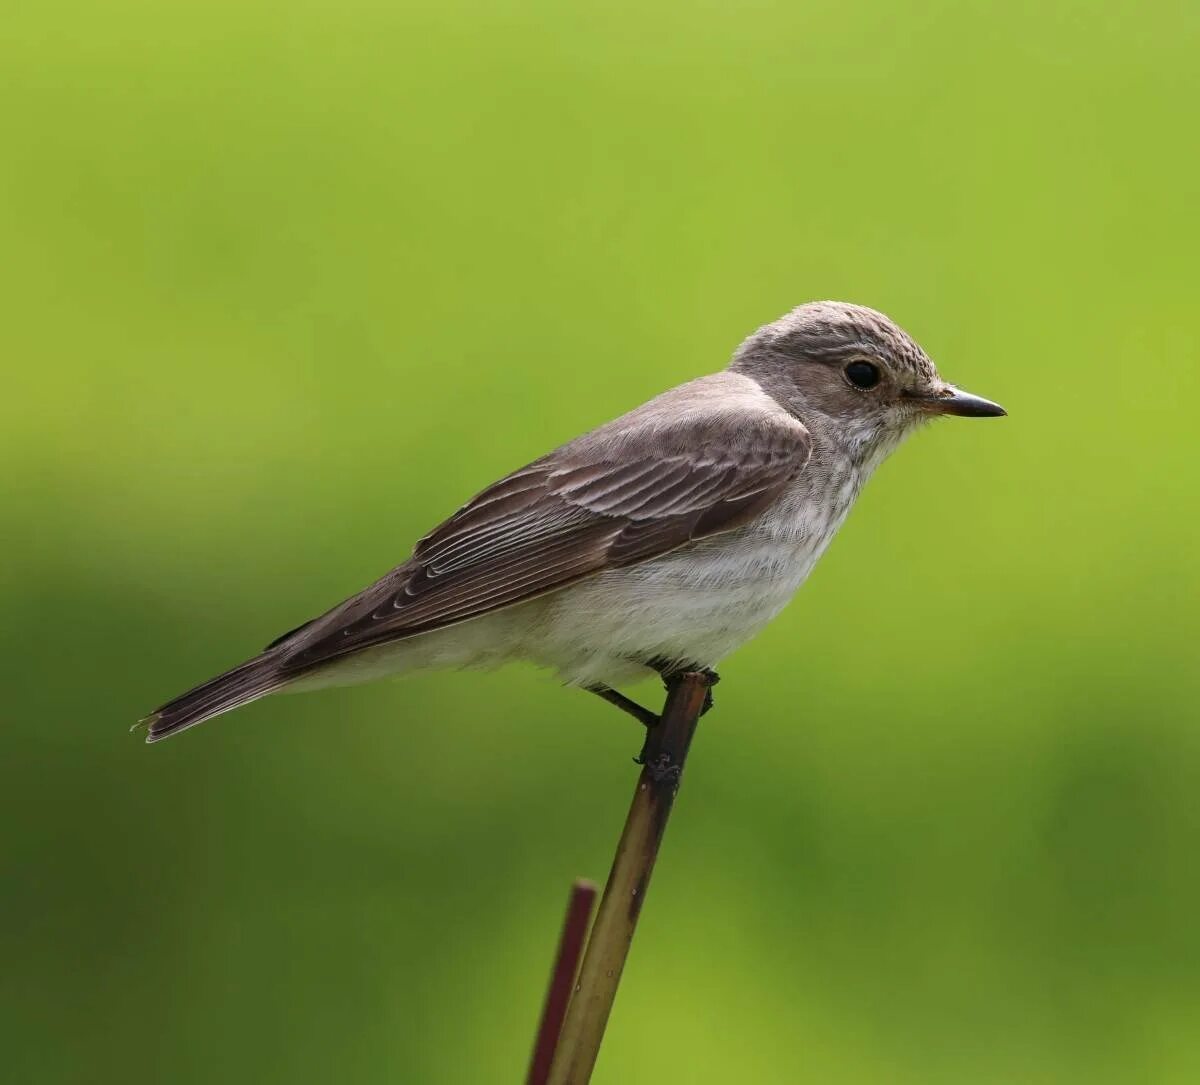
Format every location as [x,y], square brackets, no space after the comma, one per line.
[712,678]
[660,767]
[658,764]
[672,671]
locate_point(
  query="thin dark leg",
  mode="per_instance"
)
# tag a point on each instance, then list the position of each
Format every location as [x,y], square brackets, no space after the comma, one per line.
[643,715]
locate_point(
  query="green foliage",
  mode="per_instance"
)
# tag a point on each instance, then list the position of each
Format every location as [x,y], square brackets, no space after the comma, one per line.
[284,283]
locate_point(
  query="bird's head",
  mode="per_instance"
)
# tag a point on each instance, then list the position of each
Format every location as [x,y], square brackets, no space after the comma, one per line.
[854,366]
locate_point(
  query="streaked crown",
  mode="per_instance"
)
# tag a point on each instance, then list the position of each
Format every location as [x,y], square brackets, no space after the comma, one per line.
[836,332]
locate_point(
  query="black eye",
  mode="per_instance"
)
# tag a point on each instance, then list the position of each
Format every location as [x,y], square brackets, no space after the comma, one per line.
[862,374]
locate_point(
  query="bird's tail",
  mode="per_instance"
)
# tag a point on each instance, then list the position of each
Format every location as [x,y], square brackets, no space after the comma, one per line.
[241,685]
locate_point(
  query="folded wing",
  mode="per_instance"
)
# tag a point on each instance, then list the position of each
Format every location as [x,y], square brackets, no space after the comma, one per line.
[589,506]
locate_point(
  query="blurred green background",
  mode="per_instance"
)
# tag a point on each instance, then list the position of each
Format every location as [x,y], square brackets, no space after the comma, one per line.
[284,283]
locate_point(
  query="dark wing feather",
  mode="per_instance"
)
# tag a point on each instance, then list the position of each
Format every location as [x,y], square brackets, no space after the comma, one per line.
[589,506]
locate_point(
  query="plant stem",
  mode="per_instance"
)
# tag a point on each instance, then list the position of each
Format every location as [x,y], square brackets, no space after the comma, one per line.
[663,759]
[562,979]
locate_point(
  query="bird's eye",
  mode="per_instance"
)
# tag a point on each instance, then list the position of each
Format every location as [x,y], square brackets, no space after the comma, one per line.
[862,374]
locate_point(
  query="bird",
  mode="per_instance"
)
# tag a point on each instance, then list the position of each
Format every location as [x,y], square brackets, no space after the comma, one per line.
[659,542]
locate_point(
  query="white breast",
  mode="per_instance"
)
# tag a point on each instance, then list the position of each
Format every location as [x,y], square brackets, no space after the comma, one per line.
[698,603]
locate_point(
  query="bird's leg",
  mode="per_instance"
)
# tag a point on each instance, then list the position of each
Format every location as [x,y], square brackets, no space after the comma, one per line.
[626,704]
[643,715]
[671,671]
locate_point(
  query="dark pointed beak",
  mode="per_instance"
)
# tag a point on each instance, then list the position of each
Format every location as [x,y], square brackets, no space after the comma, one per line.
[951,400]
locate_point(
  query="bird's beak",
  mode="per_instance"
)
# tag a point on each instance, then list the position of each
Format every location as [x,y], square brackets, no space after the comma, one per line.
[951,400]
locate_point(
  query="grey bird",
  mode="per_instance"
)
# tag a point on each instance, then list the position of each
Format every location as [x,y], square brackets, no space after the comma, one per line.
[660,542]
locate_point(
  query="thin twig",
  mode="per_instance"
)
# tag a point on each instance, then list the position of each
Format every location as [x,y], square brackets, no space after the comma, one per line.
[562,978]
[663,759]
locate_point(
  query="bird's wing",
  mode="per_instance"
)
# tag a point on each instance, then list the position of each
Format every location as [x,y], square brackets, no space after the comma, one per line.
[594,504]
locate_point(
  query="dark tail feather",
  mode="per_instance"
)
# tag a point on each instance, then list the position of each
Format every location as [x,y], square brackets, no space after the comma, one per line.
[253,679]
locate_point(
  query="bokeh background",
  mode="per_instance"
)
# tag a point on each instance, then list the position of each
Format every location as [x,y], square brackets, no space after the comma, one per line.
[283,283]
